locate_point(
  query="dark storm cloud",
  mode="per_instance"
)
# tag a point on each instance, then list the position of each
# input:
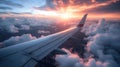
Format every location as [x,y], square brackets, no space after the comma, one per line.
[113,7]
[5,8]
[10,3]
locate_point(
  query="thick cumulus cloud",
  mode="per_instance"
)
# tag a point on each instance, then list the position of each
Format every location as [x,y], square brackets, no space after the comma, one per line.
[11,27]
[14,25]
[25,27]
[102,49]
[8,27]
[17,39]
[73,60]
[105,39]
[69,60]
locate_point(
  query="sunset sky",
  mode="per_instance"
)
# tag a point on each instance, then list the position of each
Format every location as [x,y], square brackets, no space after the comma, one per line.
[60,8]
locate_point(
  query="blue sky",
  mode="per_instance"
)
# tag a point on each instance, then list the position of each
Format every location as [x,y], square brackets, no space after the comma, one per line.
[26,5]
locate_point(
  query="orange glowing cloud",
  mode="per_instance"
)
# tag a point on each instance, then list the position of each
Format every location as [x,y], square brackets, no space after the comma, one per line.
[93,1]
[72,9]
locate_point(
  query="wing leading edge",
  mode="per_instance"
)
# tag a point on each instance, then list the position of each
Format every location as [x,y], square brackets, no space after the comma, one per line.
[27,54]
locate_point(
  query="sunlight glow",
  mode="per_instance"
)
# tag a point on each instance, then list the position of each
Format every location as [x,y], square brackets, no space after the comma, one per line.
[68,11]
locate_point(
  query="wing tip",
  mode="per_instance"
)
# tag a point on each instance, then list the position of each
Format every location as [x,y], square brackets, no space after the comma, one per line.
[81,23]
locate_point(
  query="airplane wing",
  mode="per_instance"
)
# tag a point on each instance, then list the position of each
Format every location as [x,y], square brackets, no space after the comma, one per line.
[28,54]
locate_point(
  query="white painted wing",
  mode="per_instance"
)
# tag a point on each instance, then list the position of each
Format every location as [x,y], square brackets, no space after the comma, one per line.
[27,54]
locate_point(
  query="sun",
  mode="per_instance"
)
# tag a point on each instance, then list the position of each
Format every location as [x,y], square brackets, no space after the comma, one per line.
[66,15]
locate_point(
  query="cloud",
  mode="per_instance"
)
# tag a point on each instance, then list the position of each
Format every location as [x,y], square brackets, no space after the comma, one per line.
[43,32]
[25,27]
[12,29]
[69,60]
[15,13]
[105,38]
[13,25]
[48,5]
[97,8]
[8,13]
[3,12]
[18,39]
[5,8]
[73,60]
[102,48]
[16,24]
[110,8]
[10,3]
[8,27]
[40,8]
[106,0]
[53,4]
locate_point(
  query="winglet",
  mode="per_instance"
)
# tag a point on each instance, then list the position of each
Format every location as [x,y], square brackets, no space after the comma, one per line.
[82,21]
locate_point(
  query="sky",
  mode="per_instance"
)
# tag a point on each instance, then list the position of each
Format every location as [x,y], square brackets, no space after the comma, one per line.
[60,8]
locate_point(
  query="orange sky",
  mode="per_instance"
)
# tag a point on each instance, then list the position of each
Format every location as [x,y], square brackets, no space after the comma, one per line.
[71,10]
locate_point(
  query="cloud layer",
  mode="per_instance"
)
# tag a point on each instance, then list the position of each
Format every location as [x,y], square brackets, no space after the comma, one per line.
[14,25]
[102,47]
[17,39]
